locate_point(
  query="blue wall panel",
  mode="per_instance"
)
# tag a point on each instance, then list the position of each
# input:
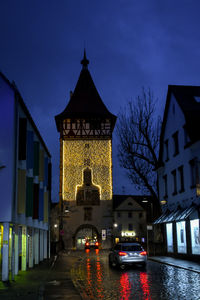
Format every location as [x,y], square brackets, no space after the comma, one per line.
[41,205]
[30,149]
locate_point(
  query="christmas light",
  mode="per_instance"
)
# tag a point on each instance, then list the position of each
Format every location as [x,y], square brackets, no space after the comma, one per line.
[81,154]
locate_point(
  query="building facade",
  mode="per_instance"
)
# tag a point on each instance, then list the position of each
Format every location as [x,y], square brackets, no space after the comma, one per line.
[130,220]
[25,180]
[85,128]
[179,172]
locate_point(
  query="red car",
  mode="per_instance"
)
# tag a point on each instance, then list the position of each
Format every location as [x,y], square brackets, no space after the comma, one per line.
[92,244]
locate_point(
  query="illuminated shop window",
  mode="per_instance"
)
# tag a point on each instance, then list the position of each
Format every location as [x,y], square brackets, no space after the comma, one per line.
[181,237]
[169,231]
[195,236]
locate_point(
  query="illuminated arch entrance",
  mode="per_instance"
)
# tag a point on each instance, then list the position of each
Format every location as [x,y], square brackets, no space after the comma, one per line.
[83,232]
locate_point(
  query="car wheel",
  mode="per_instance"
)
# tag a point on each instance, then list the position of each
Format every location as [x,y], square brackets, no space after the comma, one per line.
[113,263]
[122,267]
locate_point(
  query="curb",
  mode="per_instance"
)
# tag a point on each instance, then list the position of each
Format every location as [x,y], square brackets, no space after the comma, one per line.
[173,265]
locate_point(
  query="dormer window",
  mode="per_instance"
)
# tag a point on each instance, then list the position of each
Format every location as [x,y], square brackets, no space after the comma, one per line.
[176,145]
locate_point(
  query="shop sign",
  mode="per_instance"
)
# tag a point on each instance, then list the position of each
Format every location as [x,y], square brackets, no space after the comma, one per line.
[128,233]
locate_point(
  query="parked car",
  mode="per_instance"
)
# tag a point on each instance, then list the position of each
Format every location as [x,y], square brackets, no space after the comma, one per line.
[123,254]
[91,244]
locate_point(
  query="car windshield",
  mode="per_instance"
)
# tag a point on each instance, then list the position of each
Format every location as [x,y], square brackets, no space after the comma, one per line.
[131,248]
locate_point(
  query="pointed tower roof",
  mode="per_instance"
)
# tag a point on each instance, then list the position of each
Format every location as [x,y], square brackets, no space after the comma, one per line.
[85,101]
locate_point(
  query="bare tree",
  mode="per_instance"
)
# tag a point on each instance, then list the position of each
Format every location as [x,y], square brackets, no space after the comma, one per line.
[138,131]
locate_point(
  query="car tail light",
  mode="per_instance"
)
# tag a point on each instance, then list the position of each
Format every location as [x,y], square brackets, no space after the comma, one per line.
[122,253]
[87,244]
[96,244]
[143,253]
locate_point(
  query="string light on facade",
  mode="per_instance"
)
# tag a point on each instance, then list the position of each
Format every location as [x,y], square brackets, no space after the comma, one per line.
[77,157]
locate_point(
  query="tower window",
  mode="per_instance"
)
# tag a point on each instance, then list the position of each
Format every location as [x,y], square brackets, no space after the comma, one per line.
[87,213]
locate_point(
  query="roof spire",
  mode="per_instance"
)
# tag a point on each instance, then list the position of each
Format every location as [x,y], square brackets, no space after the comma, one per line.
[84,61]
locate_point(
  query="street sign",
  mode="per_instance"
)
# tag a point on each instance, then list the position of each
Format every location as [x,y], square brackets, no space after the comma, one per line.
[149,227]
[103,234]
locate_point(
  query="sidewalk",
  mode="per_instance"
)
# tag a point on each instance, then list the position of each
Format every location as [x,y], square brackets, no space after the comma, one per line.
[48,280]
[175,262]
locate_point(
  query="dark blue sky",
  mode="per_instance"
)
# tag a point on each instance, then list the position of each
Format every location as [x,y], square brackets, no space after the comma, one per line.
[130,44]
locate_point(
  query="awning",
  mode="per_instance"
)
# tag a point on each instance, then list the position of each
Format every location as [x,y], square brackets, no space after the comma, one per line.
[161,218]
[191,213]
[188,213]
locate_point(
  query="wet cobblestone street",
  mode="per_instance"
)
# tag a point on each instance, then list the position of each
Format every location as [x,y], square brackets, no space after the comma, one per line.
[94,279]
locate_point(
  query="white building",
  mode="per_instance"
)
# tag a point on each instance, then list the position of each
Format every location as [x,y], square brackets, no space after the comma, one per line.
[178,172]
[131,215]
[25,185]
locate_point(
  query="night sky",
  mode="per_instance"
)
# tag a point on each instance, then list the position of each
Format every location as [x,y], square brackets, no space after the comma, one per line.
[130,44]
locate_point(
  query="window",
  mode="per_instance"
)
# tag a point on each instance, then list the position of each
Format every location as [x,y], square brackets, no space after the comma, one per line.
[87,213]
[181,237]
[140,215]
[174,182]
[129,214]
[181,179]
[130,227]
[186,137]
[166,151]
[118,214]
[176,146]
[165,186]
[195,236]
[141,227]
[120,227]
[169,231]
[193,172]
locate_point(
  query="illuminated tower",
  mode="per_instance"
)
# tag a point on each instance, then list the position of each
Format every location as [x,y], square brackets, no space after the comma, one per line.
[85,128]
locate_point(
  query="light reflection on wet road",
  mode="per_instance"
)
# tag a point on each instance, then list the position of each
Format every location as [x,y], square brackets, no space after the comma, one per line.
[94,279]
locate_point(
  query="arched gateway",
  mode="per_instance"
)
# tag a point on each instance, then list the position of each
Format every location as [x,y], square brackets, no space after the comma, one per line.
[85,232]
[86,128]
